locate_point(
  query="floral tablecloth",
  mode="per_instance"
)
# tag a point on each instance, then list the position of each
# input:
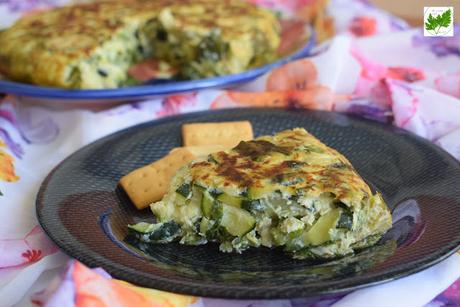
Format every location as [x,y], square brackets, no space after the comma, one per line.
[375,67]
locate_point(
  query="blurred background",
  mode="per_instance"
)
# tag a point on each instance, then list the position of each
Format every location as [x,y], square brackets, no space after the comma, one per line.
[410,10]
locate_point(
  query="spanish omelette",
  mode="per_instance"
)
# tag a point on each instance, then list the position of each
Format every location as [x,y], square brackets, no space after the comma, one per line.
[92,45]
[288,190]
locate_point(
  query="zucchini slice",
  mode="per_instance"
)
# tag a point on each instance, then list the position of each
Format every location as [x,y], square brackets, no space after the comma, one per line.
[205,225]
[319,232]
[159,232]
[233,201]
[207,202]
[237,222]
[184,190]
[259,192]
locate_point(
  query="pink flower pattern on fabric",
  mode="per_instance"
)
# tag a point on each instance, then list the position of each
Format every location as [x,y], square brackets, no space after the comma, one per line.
[19,252]
[81,287]
[373,74]
[406,102]
[449,84]
[449,298]
[32,128]
[12,145]
[26,5]
[175,104]
[423,111]
[32,255]
[439,46]
[363,26]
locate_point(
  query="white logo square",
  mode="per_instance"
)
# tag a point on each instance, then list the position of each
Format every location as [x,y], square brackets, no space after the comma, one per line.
[438,21]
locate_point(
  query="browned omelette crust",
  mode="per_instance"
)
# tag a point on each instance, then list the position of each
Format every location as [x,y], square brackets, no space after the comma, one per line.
[57,37]
[43,48]
[290,161]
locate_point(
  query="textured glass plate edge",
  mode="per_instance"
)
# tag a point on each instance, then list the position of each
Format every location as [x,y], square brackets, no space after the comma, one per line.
[358,282]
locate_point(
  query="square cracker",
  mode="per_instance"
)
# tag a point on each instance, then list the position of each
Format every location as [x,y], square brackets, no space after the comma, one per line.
[148,184]
[227,134]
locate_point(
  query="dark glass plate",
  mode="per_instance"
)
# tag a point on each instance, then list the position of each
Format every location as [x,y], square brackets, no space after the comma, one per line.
[84,212]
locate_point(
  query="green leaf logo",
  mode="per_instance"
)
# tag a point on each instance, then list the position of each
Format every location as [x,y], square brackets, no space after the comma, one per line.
[435,24]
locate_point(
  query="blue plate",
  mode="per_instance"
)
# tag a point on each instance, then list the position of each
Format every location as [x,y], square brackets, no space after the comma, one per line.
[150,89]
